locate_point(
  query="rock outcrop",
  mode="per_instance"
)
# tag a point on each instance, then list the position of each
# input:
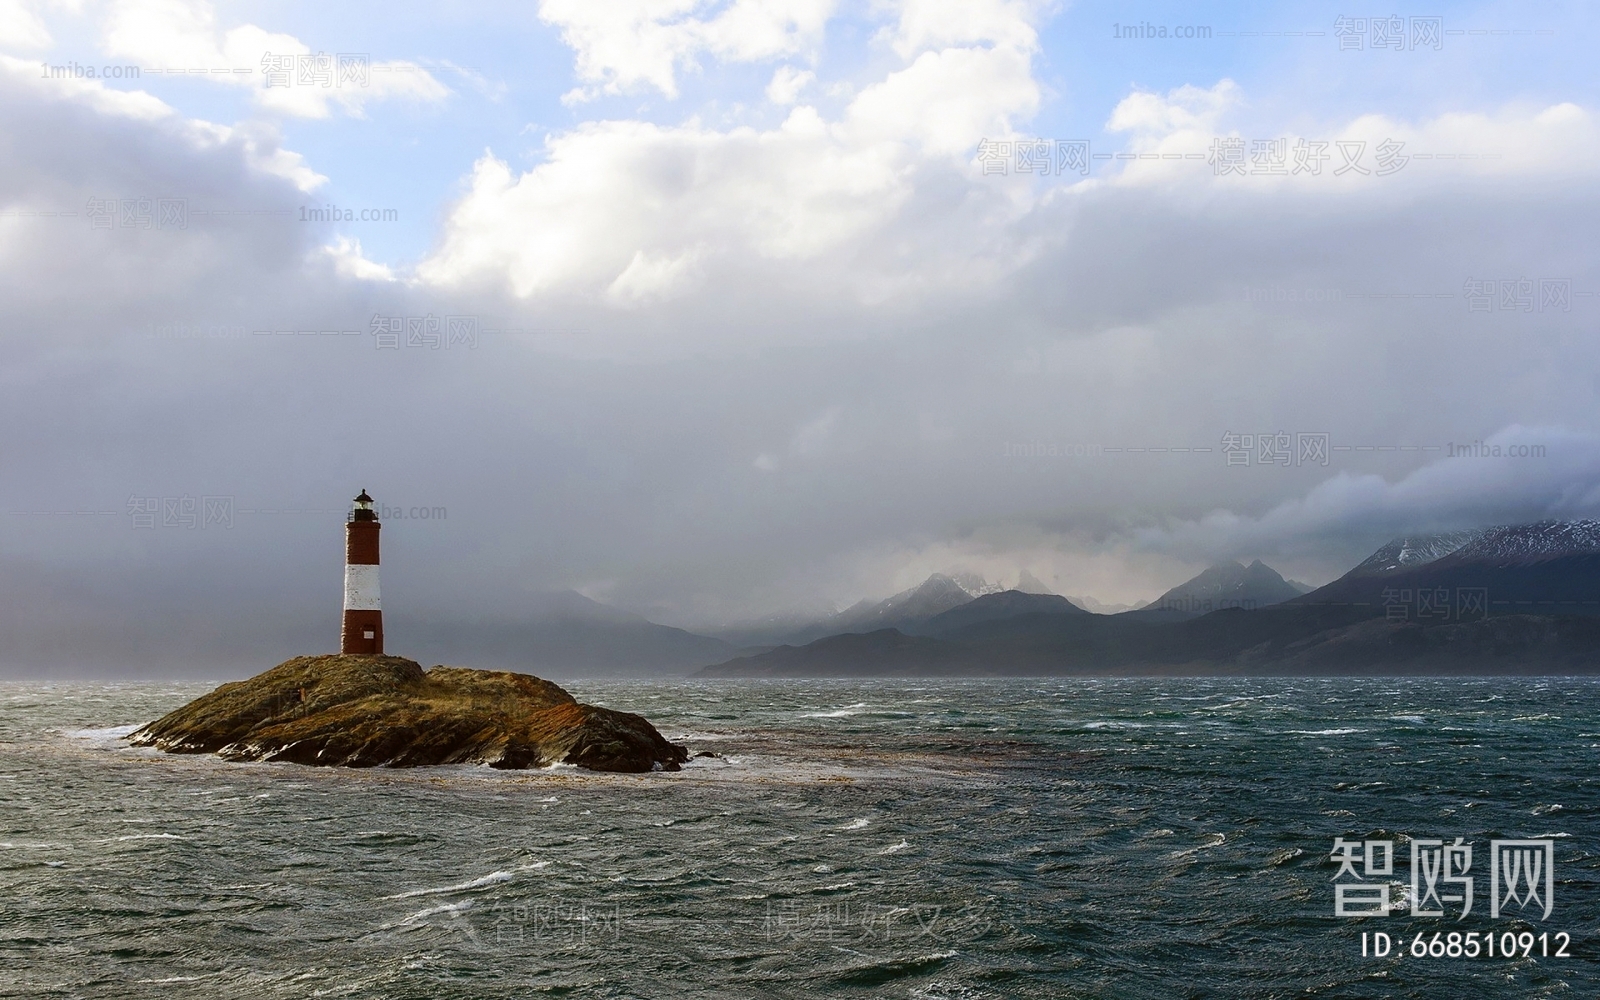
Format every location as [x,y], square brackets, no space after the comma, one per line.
[371,711]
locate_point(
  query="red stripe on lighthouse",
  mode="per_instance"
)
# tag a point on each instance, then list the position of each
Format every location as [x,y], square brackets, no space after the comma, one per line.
[363,615]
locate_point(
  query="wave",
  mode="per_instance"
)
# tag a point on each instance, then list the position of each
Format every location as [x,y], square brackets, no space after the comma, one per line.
[493,878]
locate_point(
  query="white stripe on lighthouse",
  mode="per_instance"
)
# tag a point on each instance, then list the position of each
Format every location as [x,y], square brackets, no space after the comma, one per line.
[361,588]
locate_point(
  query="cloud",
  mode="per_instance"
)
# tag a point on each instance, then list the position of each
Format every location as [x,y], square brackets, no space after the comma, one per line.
[1189,111]
[932,25]
[1519,474]
[21,27]
[1517,140]
[649,278]
[351,263]
[619,197]
[787,84]
[185,34]
[621,206]
[620,47]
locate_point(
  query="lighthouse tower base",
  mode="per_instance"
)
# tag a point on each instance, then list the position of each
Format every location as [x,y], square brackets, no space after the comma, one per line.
[363,632]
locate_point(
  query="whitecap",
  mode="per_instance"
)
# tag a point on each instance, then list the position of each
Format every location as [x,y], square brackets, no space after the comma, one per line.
[845,712]
[172,979]
[106,733]
[904,845]
[1324,732]
[856,824]
[493,878]
[1221,838]
[411,918]
[1413,719]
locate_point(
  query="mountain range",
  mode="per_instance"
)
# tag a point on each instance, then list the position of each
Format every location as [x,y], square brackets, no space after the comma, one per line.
[1510,599]
[562,634]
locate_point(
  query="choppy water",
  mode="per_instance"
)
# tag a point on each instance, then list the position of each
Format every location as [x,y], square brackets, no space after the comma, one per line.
[1084,838]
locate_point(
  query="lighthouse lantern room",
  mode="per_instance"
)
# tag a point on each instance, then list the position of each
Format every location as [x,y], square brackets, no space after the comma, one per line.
[363,616]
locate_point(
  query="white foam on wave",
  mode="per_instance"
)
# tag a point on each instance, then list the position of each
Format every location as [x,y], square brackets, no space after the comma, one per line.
[842,713]
[1324,732]
[106,736]
[1221,838]
[493,878]
[172,979]
[453,909]
[856,824]
[904,845]
[1413,719]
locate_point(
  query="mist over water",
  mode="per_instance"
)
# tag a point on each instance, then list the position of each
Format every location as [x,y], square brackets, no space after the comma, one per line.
[1060,838]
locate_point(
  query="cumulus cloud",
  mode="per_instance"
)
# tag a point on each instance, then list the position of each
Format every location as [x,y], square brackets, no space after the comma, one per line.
[620,206]
[1514,141]
[21,27]
[787,84]
[185,34]
[621,47]
[932,25]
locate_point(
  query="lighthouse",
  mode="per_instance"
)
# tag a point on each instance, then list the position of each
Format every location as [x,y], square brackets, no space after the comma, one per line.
[363,618]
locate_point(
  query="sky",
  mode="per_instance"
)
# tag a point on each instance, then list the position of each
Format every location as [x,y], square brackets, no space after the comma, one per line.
[714,311]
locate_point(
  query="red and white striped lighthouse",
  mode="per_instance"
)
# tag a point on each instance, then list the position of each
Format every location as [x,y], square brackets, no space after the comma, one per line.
[363,616]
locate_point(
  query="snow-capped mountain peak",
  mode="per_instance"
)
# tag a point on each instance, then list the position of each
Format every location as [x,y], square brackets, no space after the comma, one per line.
[1411,551]
[975,585]
[1541,540]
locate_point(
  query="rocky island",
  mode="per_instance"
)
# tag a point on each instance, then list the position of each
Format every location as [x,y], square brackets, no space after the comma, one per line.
[354,710]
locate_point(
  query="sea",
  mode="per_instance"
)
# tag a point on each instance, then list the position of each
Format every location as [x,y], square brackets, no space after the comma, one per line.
[1150,838]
